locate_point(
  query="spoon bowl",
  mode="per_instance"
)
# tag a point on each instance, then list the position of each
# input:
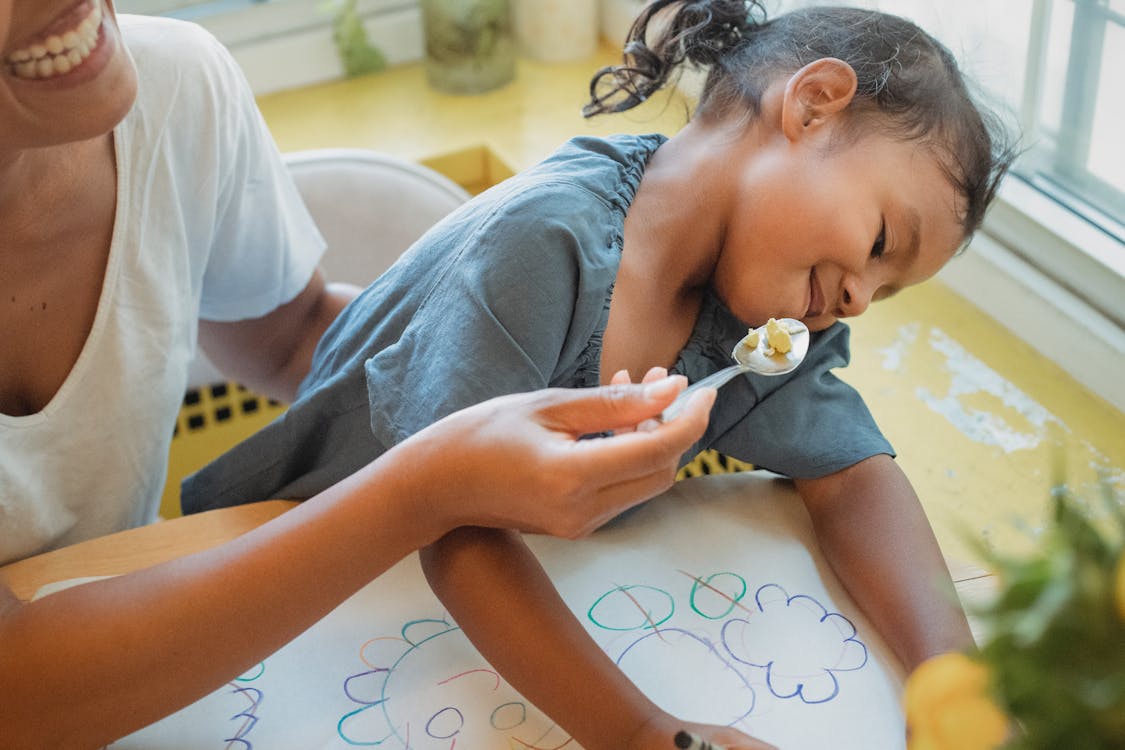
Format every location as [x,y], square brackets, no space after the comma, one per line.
[761,358]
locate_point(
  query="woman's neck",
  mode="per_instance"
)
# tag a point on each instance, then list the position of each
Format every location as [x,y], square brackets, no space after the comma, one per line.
[44,191]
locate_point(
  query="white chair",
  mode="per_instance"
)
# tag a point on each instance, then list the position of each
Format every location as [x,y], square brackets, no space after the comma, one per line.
[369,206]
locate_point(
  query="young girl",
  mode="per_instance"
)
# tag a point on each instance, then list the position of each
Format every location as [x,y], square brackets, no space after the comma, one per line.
[835,158]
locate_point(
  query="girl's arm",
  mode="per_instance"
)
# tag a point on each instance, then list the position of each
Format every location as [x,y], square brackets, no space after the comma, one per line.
[504,602]
[87,665]
[876,537]
[507,606]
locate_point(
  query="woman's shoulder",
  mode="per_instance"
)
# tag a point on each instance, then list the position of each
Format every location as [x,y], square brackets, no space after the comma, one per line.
[159,37]
[172,55]
[187,83]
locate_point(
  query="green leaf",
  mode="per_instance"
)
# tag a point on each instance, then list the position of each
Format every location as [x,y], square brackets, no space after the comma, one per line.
[357,53]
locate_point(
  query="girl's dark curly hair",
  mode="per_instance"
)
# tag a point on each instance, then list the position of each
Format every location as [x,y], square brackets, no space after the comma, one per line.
[909,85]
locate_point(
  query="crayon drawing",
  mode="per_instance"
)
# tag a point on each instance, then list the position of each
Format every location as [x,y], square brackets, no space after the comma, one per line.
[428,688]
[733,618]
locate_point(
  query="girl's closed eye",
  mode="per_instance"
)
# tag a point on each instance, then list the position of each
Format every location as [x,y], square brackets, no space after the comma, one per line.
[880,241]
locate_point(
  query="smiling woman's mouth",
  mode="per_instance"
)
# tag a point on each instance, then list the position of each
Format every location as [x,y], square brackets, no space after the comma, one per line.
[59,53]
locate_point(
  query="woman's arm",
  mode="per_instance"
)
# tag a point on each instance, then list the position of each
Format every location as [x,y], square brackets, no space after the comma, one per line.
[87,665]
[272,354]
[876,537]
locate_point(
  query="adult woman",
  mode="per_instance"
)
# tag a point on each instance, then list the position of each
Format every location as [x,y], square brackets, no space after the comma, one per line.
[139,194]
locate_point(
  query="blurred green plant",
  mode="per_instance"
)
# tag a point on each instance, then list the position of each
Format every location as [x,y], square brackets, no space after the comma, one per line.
[1055,645]
[1050,671]
[357,54]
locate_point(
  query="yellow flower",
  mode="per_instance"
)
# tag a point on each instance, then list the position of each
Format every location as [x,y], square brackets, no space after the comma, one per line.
[948,706]
[1121,586]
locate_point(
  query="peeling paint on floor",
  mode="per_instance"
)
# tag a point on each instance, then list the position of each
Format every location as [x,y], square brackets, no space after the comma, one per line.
[972,376]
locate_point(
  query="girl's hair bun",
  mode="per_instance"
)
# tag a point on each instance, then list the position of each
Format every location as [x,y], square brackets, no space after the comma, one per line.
[665,35]
[708,29]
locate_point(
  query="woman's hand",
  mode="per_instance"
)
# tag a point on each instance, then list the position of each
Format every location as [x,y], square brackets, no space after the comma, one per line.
[526,462]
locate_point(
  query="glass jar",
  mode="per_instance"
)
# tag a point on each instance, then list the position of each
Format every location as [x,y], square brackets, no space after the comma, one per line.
[470,44]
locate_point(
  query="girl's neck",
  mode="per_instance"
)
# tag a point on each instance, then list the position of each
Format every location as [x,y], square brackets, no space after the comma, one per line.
[673,236]
[679,215]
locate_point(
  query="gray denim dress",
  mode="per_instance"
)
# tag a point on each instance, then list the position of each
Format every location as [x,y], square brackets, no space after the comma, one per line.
[511,293]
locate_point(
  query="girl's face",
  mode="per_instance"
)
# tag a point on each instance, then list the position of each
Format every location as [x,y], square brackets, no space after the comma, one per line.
[818,234]
[64,72]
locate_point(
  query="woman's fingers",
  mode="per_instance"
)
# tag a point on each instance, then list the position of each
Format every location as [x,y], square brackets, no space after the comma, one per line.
[528,446]
[608,475]
[622,377]
[634,454]
[656,373]
[586,411]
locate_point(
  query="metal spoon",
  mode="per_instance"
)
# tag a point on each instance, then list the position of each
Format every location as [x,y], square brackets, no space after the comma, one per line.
[752,359]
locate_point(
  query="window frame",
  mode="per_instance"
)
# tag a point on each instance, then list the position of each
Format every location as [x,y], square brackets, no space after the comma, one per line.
[283,44]
[1038,214]
[1092,19]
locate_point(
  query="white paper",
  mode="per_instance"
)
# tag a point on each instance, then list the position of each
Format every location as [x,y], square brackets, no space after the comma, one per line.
[713,598]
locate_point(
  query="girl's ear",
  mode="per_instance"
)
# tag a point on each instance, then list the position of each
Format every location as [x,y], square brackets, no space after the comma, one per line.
[814,94]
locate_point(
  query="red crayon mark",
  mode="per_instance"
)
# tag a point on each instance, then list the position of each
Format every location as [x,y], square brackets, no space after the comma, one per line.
[474,671]
[644,612]
[700,582]
[250,718]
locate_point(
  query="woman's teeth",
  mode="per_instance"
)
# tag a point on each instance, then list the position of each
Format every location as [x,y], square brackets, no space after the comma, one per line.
[58,54]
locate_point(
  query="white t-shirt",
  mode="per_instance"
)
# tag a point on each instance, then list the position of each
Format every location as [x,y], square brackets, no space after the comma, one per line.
[208,225]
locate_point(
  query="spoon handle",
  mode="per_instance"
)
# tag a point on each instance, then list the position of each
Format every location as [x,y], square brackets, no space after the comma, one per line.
[714,380]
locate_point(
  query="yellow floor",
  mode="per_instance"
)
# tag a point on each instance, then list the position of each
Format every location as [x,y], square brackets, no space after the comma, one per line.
[978,418]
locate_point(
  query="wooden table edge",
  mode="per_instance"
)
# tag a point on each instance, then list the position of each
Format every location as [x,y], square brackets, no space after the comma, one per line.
[138,548]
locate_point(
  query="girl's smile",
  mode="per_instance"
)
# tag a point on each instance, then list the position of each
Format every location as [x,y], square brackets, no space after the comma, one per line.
[816,297]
